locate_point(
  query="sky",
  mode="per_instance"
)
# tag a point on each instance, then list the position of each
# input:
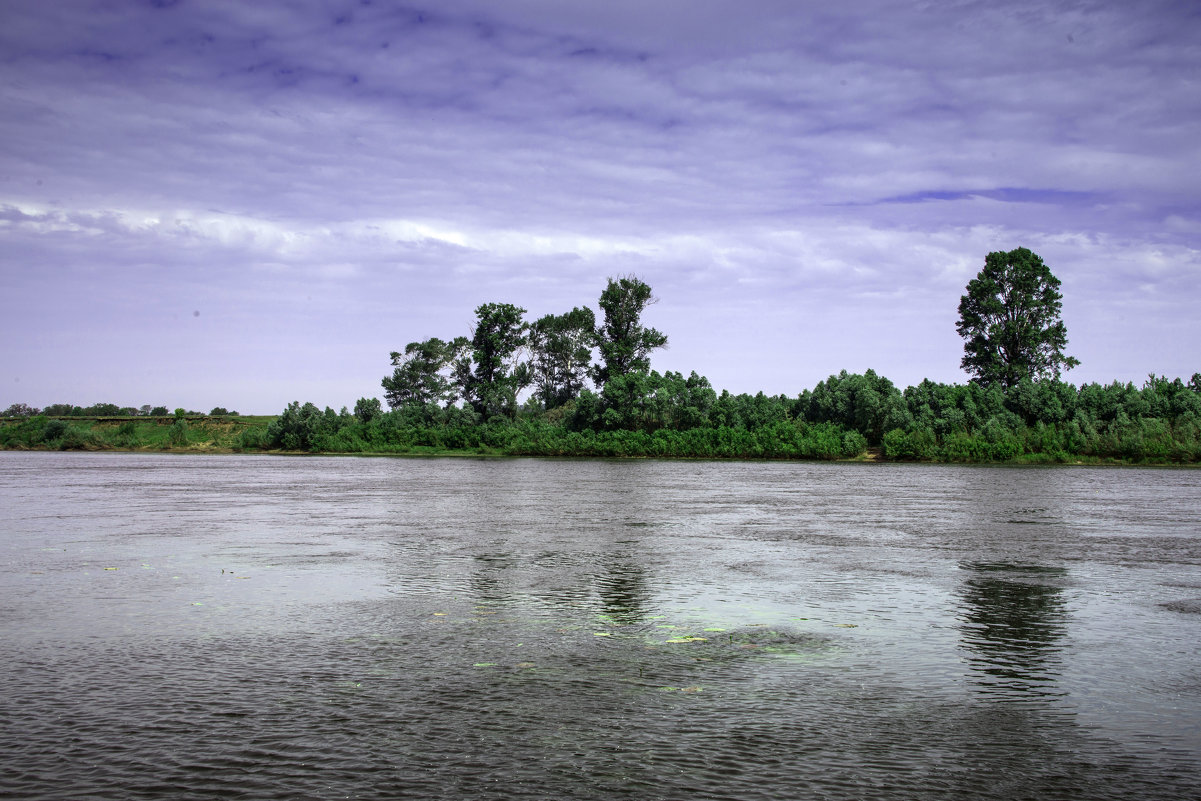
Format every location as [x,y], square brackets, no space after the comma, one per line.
[208,203]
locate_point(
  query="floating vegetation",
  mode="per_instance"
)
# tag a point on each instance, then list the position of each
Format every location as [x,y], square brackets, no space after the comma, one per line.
[750,640]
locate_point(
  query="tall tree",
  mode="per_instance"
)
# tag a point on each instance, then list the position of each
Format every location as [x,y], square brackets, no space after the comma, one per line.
[561,354]
[625,344]
[1010,321]
[423,373]
[493,375]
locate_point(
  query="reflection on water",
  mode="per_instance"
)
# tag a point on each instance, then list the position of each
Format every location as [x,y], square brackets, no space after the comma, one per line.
[261,627]
[623,589]
[1014,619]
[488,580]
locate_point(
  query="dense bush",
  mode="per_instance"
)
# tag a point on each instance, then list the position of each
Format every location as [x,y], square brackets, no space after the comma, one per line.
[668,415]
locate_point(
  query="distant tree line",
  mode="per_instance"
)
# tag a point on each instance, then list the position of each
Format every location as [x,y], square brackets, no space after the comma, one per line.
[842,417]
[463,394]
[570,385]
[101,410]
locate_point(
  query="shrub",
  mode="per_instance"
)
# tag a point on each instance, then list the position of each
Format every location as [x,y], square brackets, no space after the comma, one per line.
[53,429]
[178,436]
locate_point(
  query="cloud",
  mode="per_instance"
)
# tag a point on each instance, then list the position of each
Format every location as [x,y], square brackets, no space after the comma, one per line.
[810,187]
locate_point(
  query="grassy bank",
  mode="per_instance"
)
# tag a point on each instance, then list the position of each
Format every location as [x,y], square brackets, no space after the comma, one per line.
[188,434]
[791,441]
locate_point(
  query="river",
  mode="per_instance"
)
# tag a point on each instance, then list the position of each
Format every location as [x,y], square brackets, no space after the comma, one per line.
[261,627]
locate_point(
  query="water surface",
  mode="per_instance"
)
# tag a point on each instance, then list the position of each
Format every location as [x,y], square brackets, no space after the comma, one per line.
[268,627]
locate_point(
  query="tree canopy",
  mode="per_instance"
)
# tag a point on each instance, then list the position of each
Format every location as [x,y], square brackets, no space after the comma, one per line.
[491,386]
[1016,409]
[1010,321]
[561,352]
[624,343]
[422,375]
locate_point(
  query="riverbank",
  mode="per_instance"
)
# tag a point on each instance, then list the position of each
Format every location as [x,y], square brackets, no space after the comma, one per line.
[254,434]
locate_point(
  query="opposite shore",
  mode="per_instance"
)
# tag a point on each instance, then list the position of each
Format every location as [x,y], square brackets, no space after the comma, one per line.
[206,434]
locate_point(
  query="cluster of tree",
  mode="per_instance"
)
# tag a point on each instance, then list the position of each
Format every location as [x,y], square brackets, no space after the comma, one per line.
[460,428]
[465,394]
[101,410]
[1015,405]
[842,417]
[505,355]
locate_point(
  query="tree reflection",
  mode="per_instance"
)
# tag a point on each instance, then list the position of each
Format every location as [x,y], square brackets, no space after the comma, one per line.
[1013,621]
[490,582]
[617,588]
[624,595]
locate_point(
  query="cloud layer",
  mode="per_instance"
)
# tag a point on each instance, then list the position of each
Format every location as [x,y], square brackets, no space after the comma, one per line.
[242,204]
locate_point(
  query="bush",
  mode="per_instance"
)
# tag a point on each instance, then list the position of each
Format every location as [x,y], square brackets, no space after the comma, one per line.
[253,439]
[77,439]
[915,445]
[178,436]
[367,409]
[52,430]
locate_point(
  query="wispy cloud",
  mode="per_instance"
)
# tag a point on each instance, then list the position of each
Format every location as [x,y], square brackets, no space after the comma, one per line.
[806,190]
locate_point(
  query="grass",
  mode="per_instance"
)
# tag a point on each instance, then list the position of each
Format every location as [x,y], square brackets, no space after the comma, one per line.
[198,434]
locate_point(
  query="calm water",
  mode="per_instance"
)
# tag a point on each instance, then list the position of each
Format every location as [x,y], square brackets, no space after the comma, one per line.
[261,627]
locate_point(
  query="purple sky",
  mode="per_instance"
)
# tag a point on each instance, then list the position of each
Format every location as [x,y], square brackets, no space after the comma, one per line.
[242,204]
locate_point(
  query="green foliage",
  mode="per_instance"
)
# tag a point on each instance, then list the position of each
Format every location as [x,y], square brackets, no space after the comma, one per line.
[31,432]
[178,437]
[493,376]
[62,410]
[914,445]
[253,438]
[561,349]
[367,409]
[127,434]
[159,411]
[52,430]
[649,401]
[867,403]
[1021,412]
[624,343]
[1010,321]
[423,373]
[20,410]
[79,439]
[103,410]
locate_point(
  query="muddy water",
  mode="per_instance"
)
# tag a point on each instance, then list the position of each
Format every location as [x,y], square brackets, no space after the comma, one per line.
[261,627]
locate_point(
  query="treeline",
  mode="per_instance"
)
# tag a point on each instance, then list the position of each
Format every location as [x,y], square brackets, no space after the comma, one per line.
[673,416]
[101,410]
[462,394]
[181,431]
[841,418]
